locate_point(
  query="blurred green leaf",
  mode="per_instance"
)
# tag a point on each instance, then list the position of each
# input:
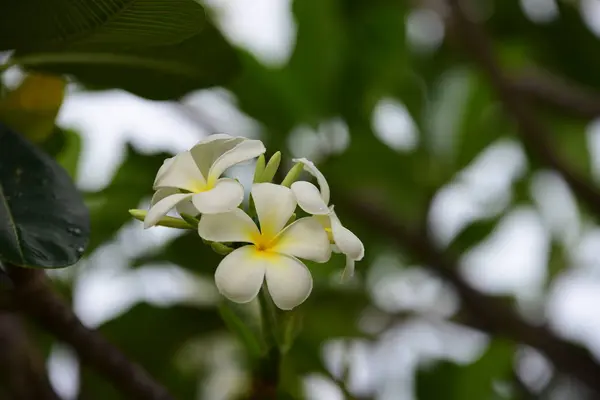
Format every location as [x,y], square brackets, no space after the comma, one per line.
[473,381]
[132,182]
[160,49]
[186,251]
[473,234]
[153,336]
[43,220]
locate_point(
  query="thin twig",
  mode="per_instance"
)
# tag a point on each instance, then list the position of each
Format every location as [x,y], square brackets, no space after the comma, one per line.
[491,314]
[35,298]
[535,136]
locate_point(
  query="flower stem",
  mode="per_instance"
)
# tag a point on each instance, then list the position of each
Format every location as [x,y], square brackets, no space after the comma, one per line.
[267,377]
[269,318]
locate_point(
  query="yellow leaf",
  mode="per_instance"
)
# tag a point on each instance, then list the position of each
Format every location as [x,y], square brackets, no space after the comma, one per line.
[31,109]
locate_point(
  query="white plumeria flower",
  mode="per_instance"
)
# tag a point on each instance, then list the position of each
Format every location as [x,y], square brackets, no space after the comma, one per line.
[316,202]
[191,181]
[271,254]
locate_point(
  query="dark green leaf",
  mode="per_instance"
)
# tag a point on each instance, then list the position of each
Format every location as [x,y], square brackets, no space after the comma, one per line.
[43,220]
[160,49]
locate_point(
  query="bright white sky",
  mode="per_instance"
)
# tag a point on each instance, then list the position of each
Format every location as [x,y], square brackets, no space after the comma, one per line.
[512,262]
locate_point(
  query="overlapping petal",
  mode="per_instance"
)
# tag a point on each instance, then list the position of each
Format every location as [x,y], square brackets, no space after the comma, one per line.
[225,196]
[288,280]
[240,275]
[274,206]
[243,151]
[181,173]
[163,206]
[310,167]
[346,241]
[309,198]
[305,238]
[206,152]
[233,226]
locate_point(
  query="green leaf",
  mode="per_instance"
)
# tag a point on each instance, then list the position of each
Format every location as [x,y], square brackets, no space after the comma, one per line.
[155,338]
[473,234]
[186,251]
[132,182]
[43,220]
[248,333]
[474,381]
[160,49]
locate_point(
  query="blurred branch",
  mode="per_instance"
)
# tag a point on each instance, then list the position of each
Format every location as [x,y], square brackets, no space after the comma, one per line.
[489,314]
[22,371]
[558,92]
[534,134]
[34,296]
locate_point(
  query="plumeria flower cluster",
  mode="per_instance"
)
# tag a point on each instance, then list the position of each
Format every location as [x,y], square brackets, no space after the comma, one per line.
[262,240]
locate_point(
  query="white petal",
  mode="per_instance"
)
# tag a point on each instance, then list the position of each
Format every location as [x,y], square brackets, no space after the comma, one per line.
[234,226]
[207,151]
[225,196]
[288,280]
[161,208]
[309,198]
[305,238]
[182,173]
[274,205]
[243,151]
[240,275]
[187,207]
[161,194]
[163,168]
[346,241]
[348,270]
[310,167]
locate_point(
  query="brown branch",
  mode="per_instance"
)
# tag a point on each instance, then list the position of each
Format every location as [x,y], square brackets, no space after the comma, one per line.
[490,314]
[34,296]
[545,87]
[22,371]
[535,136]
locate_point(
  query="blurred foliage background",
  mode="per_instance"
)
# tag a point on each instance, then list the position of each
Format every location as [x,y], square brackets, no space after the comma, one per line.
[480,279]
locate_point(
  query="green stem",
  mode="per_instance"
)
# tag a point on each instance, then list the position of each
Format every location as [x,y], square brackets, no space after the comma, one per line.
[268,317]
[267,378]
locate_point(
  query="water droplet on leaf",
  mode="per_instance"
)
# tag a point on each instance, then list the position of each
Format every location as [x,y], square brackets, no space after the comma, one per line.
[74,231]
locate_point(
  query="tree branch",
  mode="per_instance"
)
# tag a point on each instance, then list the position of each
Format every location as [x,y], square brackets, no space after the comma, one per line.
[535,136]
[491,314]
[34,297]
[566,96]
[22,371]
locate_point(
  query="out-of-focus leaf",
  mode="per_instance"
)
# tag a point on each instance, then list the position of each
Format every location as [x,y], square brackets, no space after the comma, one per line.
[43,220]
[558,260]
[319,53]
[68,157]
[369,168]
[160,49]
[153,336]
[248,333]
[32,107]
[474,381]
[327,314]
[132,182]
[186,251]
[471,235]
